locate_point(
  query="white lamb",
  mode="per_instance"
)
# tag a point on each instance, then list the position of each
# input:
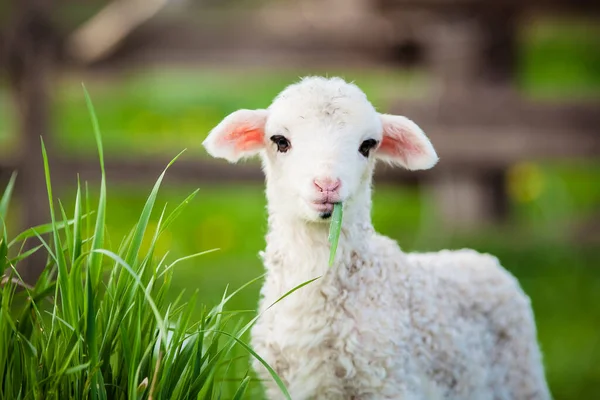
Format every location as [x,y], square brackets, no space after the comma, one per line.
[380,323]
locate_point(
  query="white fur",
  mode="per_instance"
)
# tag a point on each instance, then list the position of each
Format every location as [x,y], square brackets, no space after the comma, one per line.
[379,324]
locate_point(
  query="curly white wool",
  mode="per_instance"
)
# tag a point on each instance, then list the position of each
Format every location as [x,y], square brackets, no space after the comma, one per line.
[381,323]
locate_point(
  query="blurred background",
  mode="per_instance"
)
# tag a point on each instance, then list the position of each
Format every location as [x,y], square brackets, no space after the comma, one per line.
[508,92]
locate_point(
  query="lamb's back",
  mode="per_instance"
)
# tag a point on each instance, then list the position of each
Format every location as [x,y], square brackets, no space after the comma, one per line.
[467,311]
[474,282]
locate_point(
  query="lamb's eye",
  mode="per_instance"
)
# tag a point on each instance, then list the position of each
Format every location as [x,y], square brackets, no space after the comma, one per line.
[367,146]
[282,143]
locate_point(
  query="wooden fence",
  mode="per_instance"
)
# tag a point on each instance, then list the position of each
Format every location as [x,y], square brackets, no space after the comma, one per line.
[478,122]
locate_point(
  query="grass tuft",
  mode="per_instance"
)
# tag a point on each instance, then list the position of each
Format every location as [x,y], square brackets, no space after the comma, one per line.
[96,324]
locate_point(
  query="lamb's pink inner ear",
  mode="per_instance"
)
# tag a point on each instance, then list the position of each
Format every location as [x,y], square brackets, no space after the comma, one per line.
[245,137]
[240,134]
[405,143]
[395,144]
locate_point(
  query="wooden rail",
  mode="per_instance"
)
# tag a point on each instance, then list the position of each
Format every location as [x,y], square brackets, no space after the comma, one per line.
[64,172]
[468,134]
[490,133]
[477,141]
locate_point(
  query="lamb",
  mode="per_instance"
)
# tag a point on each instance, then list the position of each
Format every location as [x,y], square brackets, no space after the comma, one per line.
[380,323]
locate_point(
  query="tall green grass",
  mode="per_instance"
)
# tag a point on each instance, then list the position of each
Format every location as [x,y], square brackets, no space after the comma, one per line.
[96,324]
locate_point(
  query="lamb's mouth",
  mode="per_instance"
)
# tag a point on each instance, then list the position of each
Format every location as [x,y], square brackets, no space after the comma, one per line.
[325,210]
[325,215]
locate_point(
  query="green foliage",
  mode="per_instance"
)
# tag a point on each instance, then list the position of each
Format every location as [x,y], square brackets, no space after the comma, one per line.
[559,57]
[97,323]
[334,231]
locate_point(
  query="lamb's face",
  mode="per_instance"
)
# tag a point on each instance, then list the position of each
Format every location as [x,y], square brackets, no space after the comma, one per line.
[319,142]
[320,151]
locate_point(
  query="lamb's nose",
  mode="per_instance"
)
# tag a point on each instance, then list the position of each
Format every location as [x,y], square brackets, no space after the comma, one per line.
[327,184]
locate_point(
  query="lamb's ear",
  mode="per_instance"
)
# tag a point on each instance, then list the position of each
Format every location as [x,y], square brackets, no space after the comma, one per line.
[404,143]
[241,134]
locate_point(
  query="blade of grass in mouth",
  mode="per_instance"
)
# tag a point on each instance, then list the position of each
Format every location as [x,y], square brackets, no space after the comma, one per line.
[334,231]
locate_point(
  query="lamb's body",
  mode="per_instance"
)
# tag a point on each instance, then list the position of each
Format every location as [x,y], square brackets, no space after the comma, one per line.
[381,324]
[378,324]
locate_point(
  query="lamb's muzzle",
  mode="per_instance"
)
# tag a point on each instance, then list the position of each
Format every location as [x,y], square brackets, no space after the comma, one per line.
[327,195]
[379,324]
[327,184]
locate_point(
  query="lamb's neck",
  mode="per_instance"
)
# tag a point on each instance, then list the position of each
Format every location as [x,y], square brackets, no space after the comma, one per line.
[302,248]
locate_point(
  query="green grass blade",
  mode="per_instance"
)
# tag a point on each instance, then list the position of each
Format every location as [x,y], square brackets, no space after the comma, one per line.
[77,368]
[272,372]
[77,226]
[184,259]
[142,224]
[95,126]
[48,248]
[97,389]
[88,228]
[76,287]
[48,184]
[175,213]
[334,231]
[242,331]
[150,273]
[22,256]
[5,199]
[239,394]
[288,293]
[42,229]
[98,242]
[61,262]
[67,230]
[132,375]
[4,262]
[244,286]
[136,278]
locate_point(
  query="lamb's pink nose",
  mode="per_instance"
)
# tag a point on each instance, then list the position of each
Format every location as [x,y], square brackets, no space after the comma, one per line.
[327,184]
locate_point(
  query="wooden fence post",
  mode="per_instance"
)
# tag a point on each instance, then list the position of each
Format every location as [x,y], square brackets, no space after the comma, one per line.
[473,57]
[29,63]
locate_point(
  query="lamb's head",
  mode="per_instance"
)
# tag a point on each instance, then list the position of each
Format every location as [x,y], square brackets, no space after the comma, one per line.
[319,141]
